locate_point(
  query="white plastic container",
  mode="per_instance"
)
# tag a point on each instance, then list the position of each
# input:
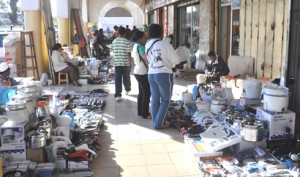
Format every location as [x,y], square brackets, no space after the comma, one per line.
[276,98]
[217,105]
[252,88]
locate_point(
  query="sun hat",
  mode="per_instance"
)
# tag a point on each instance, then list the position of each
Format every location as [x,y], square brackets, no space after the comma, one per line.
[3,66]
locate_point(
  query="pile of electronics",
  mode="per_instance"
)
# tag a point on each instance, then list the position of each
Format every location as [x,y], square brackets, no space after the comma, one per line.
[253,135]
[47,132]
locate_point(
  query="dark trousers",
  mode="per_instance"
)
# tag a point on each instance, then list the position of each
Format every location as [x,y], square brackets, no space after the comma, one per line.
[143,99]
[122,73]
[72,71]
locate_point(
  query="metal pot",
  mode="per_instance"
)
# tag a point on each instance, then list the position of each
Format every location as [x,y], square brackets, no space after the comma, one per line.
[40,112]
[28,99]
[237,124]
[45,126]
[17,111]
[28,88]
[3,119]
[253,131]
[33,87]
[37,140]
[16,105]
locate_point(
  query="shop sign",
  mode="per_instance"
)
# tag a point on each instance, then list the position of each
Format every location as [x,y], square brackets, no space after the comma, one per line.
[235,4]
[225,2]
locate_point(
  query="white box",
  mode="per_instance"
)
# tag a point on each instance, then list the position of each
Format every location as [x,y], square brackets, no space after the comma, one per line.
[78,165]
[244,145]
[12,137]
[245,101]
[219,137]
[198,148]
[10,54]
[275,124]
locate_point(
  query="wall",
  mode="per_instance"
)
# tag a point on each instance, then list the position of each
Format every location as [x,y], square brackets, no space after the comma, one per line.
[98,9]
[263,35]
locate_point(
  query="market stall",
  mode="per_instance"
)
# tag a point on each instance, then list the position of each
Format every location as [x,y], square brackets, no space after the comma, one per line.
[48,131]
[253,135]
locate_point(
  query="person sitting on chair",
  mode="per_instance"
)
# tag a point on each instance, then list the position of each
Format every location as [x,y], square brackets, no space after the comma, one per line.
[214,69]
[62,63]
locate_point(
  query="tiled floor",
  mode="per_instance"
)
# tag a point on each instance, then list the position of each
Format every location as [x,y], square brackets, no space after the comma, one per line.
[131,147]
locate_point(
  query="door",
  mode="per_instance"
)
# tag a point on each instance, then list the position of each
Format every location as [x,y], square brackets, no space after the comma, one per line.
[189,26]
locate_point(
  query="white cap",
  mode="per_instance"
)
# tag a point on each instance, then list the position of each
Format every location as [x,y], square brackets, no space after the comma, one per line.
[3,66]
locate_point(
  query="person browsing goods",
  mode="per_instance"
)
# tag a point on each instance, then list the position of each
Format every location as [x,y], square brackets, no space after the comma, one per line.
[162,58]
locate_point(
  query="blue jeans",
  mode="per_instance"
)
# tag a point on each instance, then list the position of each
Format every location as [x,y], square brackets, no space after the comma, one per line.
[161,86]
[122,73]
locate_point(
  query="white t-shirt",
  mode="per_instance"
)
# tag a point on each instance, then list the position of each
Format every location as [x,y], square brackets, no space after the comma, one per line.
[58,61]
[139,66]
[161,57]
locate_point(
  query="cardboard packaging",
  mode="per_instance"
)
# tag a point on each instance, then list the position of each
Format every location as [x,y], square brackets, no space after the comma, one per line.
[12,137]
[277,124]
[37,155]
[12,140]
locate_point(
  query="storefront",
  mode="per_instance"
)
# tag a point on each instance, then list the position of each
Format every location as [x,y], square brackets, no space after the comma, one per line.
[163,13]
[229,28]
[188,24]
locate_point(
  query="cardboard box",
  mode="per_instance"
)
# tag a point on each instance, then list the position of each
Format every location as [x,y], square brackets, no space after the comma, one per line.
[12,139]
[19,154]
[275,124]
[78,165]
[12,136]
[10,54]
[37,155]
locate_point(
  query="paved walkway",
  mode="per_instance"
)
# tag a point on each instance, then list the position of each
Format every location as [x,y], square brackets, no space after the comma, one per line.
[131,147]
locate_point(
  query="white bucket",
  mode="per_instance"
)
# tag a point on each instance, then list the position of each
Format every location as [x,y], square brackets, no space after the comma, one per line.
[252,88]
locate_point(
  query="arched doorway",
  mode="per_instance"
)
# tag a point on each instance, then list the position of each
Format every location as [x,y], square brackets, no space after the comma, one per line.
[120,13]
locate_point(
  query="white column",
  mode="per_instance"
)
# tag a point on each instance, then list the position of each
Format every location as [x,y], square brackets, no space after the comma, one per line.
[84,11]
[32,21]
[63,14]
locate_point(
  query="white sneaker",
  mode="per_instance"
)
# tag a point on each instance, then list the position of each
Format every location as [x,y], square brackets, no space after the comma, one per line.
[118,99]
[127,92]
